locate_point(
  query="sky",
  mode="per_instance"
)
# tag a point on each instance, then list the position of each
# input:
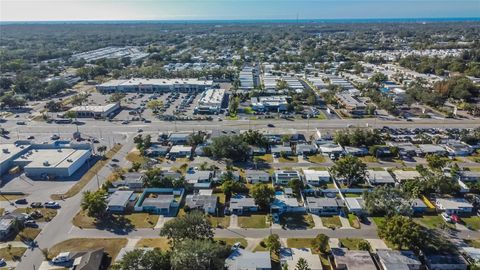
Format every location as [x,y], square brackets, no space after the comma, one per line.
[74,10]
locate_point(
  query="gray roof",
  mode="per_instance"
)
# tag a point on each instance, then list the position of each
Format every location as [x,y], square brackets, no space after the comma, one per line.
[161,201]
[90,260]
[314,202]
[397,260]
[242,201]
[431,148]
[353,259]
[201,201]
[241,259]
[120,197]
[256,173]
[380,177]
[445,259]
[197,176]
[280,148]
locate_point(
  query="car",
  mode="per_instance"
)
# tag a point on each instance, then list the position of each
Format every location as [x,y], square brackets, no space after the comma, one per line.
[55,137]
[21,123]
[61,258]
[446,217]
[237,245]
[3,262]
[125,122]
[30,224]
[115,160]
[36,205]
[270,125]
[21,201]
[139,130]
[51,204]
[30,137]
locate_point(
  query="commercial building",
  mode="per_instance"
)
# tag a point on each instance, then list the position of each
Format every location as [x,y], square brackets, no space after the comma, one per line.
[59,160]
[96,111]
[351,103]
[138,85]
[269,103]
[246,78]
[211,101]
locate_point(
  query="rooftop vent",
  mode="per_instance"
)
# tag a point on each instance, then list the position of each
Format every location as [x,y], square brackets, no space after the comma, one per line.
[46,163]
[69,160]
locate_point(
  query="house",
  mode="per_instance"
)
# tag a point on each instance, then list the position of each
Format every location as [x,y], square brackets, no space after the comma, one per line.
[277,150]
[330,149]
[405,148]
[446,261]
[454,206]
[234,175]
[88,260]
[345,259]
[356,151]
[132,180]
[157,150]
[207,203]
[255,176]
[119,200]
[283,177]
[241,259]
[160,201]
[379,178]
[241,205]
[397,260]
[194,177]
[290,257]
[458,148]
[355,205]
[432,149]
[8,224]
[297,138]
[469,176]
[401,175]
[257,150]
[418,206]
[306,149]
[323,206]
[180,151]
[316,178]
[286,204]
[178,138]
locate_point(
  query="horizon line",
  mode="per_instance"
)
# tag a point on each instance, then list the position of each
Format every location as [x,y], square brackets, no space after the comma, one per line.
[366,19]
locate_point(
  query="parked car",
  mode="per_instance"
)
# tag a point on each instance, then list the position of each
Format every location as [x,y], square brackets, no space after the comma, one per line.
[61,258]
[270,125]
[3,262]
[446,217]
[55,137]
[36,205]
[30,137]
[21,201]
[51,204]
[30,224]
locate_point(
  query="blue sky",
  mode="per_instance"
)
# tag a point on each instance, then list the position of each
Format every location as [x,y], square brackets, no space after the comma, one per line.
[53,10]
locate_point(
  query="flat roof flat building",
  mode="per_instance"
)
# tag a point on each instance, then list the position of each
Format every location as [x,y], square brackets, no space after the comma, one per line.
[211,101]
[95,111]
[155,85]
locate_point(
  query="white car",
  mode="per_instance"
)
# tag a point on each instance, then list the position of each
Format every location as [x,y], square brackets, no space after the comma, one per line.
[237,245]
[447,217]
[51,204]
[61,258]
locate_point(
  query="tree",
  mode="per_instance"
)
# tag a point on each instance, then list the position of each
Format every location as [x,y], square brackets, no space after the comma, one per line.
[320,242]
[263,195]
[196,138]
[53,106]
[296,185]
[70,115]
[349,168]
[302,264]
[199,254]
[364,245]
[144,259]
[402,232]
[436,162]
[387,201]
[117,97]
[94,203]
[378,78]
[194,225]
[155,105]
[78,99]
[273,243]
[228,187]
[102,149]
[231,147]
[254,137]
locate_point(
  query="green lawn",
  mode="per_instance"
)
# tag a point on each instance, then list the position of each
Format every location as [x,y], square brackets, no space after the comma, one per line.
[12,253]
[267,158]
[159,242]
[351,243]
[353,220]
[318,168]
[379,220]
[352,195]
[253,221]
[222,222]
[317,159]
[291,159]
[331,222]
[301,243]
[369,159]
[231,241]
[291,220]
[134,220]
[432,222]
[472,222]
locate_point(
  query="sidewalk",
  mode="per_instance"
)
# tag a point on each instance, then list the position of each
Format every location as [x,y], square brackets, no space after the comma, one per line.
[233,222]
[318,222]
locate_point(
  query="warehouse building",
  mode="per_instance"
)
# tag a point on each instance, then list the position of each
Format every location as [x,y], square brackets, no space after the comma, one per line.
[211,101]
[246,78]
[138,85]
[269,103]
[96,111]
[47,161]
[9,153]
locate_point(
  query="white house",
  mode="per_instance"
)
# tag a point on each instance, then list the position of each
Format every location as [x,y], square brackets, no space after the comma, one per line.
[316,178]
[454,206]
